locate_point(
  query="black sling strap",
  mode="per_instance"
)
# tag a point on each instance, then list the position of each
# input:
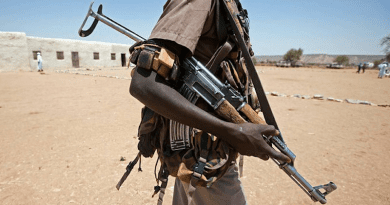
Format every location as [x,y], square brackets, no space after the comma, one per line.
[265,107]
[129,167]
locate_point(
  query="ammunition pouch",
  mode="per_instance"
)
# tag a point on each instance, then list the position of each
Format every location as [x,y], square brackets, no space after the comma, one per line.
[149,132]
[216,155]
[153,57]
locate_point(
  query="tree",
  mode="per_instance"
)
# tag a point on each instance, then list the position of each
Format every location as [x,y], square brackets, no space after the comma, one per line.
[386,42]
[293,55]
[342,60]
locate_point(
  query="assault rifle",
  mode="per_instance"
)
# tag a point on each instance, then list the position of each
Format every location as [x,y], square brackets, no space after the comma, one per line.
[225,100]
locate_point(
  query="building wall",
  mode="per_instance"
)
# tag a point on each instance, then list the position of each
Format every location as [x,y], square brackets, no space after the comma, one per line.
[13,51]
[16,52]
[85,49]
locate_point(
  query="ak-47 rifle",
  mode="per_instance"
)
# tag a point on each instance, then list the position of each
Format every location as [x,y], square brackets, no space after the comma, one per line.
[225,100]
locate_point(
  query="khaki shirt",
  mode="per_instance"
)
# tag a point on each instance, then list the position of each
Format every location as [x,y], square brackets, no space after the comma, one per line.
[191,24]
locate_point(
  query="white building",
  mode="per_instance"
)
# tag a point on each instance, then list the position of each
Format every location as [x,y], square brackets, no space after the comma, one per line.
[18,52]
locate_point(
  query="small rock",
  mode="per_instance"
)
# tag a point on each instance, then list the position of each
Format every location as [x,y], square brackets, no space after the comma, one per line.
[274,94]
[351,101]
[297,96]
[318,97]
[330,99]
[306,97]
[364,102]
[338,100]
[282,95]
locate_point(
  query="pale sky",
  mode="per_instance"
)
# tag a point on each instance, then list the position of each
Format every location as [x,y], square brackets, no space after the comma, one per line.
[352,27]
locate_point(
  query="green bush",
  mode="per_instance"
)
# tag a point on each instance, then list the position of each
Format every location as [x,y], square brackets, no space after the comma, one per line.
[342,60]
[293,55]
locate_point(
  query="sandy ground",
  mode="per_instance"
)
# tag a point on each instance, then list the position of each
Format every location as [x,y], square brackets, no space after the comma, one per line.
[62,136]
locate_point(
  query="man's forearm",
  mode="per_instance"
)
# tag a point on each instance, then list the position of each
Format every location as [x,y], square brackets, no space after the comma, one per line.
[149,89]
[246,138]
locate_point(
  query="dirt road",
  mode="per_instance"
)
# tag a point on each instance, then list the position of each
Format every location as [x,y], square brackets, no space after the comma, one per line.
[62,136]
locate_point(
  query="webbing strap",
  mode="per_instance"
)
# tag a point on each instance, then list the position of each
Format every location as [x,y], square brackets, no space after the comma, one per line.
[199,167]
[129,167]
[241,165]
[163,177]
[162,191]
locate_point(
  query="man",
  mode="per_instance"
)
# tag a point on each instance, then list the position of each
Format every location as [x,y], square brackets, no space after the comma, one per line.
[360,66]
[188,28]
[39,58]
[382,69]
[365,65]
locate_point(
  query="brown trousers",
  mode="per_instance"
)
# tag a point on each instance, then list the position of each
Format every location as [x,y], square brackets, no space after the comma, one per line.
[227,190]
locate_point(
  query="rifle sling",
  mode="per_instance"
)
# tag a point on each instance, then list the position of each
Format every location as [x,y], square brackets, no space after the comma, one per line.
[129,167]
[265,107]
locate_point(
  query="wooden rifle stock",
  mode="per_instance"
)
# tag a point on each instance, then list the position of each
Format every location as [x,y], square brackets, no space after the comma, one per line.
[229,113]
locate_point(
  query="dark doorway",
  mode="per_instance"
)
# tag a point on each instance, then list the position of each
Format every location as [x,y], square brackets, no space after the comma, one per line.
[75,59]
[123,59]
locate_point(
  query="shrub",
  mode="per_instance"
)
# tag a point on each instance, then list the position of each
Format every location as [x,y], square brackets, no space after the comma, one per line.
[293,55]
[342,60]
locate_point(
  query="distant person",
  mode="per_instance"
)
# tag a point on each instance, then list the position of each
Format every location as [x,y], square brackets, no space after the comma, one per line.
[382,68]
[360,66]
[39,62]
[364,67]
[387,71]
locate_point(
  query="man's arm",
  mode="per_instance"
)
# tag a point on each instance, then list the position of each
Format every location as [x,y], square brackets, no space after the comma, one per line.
[150,89]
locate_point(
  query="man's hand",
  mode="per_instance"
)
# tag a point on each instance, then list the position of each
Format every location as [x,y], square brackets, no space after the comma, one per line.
[248,140]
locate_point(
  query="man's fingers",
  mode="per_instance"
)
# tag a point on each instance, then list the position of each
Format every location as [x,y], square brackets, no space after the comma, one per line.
[268,151]
[270,131]
[263,157]
[278,155]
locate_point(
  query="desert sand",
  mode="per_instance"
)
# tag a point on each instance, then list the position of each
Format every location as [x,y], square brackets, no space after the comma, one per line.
[62,136]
